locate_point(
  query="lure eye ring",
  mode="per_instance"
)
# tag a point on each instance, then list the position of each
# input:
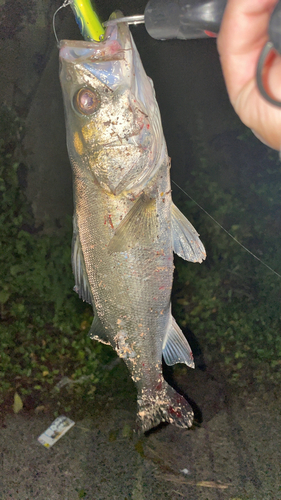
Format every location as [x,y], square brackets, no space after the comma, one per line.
[86,101]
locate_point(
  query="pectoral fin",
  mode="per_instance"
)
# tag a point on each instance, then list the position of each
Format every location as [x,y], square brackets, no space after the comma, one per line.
[186,241]
[97,331]
[176,349]
[138,228]
[82,286]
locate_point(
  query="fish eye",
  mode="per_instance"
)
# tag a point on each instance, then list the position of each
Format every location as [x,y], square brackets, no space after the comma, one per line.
[86,101]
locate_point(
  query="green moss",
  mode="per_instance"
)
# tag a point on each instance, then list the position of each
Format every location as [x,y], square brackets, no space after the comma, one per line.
[232,302]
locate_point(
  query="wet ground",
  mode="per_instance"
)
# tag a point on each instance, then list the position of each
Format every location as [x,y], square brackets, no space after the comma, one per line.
[234,454]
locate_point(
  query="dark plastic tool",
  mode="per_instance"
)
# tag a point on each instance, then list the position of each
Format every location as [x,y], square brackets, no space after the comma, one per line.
[187,19]
[183,19]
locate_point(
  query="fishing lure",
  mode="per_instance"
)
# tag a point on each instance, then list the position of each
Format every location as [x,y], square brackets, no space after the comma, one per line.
[88,22]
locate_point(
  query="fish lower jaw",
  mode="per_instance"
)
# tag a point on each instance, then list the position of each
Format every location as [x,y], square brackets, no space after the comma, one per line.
[122,144]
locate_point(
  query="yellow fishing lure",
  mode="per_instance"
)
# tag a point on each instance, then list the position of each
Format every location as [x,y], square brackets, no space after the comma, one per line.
[87,20]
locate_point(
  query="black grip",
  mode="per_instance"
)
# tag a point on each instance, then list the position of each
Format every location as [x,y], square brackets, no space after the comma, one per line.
[183,19]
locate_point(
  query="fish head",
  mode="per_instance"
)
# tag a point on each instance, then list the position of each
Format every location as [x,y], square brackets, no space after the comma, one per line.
[113,122]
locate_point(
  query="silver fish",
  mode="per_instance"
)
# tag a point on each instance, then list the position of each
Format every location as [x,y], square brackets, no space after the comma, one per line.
[125,224]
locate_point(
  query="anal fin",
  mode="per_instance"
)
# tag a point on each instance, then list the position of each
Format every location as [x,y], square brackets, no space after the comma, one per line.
[176,349]
[186,241]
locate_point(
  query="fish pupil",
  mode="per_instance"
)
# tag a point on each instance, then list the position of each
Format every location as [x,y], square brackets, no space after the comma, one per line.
[87,101]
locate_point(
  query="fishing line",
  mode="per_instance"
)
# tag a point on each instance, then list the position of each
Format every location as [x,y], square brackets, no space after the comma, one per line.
[65,4]
[225,230]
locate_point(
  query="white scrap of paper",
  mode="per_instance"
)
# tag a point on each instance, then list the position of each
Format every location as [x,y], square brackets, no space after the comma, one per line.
[56,430]
[184,471]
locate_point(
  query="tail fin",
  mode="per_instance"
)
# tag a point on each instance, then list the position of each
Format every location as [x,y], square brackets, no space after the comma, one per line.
[164,405]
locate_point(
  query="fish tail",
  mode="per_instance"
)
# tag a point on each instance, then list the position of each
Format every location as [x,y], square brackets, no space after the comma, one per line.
[165,405]
[179,412]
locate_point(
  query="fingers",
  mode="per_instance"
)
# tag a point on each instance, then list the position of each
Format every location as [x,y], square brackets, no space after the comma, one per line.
[242,36]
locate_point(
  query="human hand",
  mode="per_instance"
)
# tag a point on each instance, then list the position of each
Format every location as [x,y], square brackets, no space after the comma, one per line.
[242,36]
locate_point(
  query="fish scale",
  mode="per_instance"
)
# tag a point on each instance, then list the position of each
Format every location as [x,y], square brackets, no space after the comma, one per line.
[126,226]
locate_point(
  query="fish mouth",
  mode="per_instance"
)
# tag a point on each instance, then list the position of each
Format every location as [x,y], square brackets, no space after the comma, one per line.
[111,145]
[116,41]
[120,143]
[140,141]
[125,146]
[73,51]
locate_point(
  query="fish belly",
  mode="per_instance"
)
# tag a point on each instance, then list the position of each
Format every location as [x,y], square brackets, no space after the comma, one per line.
[131,289]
